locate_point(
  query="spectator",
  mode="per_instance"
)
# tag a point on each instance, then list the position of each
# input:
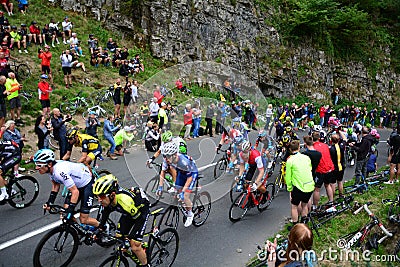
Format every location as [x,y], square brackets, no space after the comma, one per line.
[187,120]
[157,94]
[42,130]
[121,137]
[134,94]
[2,18]
[127,97]
[144,111]
[3,94]
[66,63]
[116,59]
[299,181]
[137,64]
[67,29]
[268,116]
[75,61]
[394,156]
[3,65]
[6,36]
[313,154]
[117,98]
[45,56]
[196,120]
[23,6]
[322,111]
[16,38]
[55,31]
[92,42]
[74,43]
[23,31]
[8,6]
[372,166]
[35,31]
[382,117]
[105,58]
[59,130]
[108,131]
[219,120]
[6,51]
[111,45]
[124,54]
[152,137]
[362,149]
[124,69]
[48,36]
[154,107]
[209,117]
[13,87]
[162,117]
[12,134]
[95,58]
[324,169]
[91,124]
[337,155]
[44,90]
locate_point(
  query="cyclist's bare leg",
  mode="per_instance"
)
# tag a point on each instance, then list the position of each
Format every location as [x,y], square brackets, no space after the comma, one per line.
[333,188]
[329,191]
[188,203]
[139,251]
[2,181]
[85,219]
[294,213]
[316,196]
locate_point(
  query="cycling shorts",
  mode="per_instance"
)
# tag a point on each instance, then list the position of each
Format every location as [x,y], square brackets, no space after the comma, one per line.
[8,162]
[323,178]
[299,196]
[337,176]
[181,178]
[133,228]
[250,172]
[86,197]
[93,154]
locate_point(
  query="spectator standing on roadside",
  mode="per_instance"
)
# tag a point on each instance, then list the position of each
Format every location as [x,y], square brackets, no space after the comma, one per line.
[13,87]
[324,169]
[127,97]
[313,154]
[268,116]
[44,90]
[362,149]
[196,120]
[117,98]
[134,95]
[66,61]
[322,111]
[382,117]
[187,121]
[108,132]
[144,111]
[42,130]
[45,56]
[12,134]
[209,117]
[162,117]
[157,94]
[394,157]
[154,107]
[92,123]
[3,95]
[337,155]
[59,130]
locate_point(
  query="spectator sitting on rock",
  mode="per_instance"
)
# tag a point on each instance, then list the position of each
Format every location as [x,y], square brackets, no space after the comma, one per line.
[67,29]
[53,26]
[75,61]
[111,45]
[16,38]
[92,42]
[23,31]
[8,6]
[116,59]
[35,31]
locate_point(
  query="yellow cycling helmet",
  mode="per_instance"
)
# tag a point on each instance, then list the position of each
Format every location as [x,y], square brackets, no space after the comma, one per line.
[105,185]
[71,133]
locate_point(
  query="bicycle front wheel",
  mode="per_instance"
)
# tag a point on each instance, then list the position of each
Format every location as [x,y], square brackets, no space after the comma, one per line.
[170,219]
[164,248]
[115,261]
[68,108]
[23,191]
[220,167]
[266,198]
[53,142]
[201,208]
[57,248]
[277,185]
[23,72]
[239,208]
[235,191]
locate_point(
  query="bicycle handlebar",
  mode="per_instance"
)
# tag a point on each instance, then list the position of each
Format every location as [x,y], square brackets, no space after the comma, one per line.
[365,207]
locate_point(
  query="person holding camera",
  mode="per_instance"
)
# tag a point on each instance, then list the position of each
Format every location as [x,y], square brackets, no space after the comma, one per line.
[91,124]
[59,130]
[42,130]
[45,56]
[66,61]
[67,29]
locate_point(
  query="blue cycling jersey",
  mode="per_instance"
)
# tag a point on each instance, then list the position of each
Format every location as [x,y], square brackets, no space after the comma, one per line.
[185,164]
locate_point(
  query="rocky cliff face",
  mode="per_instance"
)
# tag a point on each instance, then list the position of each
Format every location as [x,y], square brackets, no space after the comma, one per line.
[233,32]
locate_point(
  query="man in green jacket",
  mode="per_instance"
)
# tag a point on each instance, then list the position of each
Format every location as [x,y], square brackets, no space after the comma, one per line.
[120,138]
[299,181]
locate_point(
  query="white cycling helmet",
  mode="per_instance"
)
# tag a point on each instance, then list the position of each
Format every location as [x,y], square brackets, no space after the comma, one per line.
[44,156]
[317,128]
[169,149]
[246,145]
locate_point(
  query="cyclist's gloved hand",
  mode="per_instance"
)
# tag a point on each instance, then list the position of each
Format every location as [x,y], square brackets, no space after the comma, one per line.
[149,161]
[159,190]
[181,196]
[217,149]
[69,212]
[254,187]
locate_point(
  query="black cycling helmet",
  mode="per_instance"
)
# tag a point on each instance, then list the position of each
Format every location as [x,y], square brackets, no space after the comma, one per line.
[71,133]
[13,27]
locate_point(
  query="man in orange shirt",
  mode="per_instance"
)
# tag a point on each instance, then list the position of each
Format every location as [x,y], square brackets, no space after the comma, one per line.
[44,90]
[45,56]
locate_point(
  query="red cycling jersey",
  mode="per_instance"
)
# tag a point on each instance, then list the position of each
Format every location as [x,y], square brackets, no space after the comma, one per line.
[254,158]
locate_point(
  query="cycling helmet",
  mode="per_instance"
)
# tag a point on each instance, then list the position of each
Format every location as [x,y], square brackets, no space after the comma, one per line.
[105,185]
[44,76]
[182,146]
[246,146]
[166,136]
[169,149]
[349,131]
[238,139]
[317,128]
[13,27]
[374,132]
[71,133]
[322,135]
[44,156]
[368,125]
[311,124]
[262,133]
[288,118]
[285,139]
[288,128]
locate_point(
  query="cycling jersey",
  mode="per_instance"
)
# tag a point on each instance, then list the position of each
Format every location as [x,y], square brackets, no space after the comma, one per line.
[10,155]
[70,174]
[254,158]
[185,168]
[87,142]
[231,135]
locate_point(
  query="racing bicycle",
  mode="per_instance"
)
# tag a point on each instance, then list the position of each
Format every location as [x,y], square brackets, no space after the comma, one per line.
[222,163]
[153,184]
[22,191]
[71,106]
[101,113]
[161,249]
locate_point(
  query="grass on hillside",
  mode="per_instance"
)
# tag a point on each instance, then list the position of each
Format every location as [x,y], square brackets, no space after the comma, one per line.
[346,223]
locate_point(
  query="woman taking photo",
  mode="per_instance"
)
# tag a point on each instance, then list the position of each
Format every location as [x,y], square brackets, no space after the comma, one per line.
[42,130]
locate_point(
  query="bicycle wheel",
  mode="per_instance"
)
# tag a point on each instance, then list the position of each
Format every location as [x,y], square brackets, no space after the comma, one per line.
[115,260]
[277,185]
[164,248]
[267,198]
[68,108]
[170,219]
[394,211]
[151,189]
[234,192]
[23,72]
[53,142]
[201,208]
[57,248]
[23,191]
[238,208]
[220,167]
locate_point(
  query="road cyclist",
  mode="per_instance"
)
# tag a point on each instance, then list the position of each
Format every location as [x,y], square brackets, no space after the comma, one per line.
[185,176]
[10,155]
[268,150]
[133,204]
[236,137]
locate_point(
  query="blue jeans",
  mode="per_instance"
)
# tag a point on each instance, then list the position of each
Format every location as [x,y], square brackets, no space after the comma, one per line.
[110,139]
[196,126]
[63,143]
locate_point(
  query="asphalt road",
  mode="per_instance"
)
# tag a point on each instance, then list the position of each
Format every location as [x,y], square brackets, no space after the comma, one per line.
[217,243]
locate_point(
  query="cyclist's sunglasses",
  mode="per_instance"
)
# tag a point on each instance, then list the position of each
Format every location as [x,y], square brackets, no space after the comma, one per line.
[167,156]
[102,196]
[40,165]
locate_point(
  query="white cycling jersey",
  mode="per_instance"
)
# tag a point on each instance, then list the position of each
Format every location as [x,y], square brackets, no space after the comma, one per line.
[70,174]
